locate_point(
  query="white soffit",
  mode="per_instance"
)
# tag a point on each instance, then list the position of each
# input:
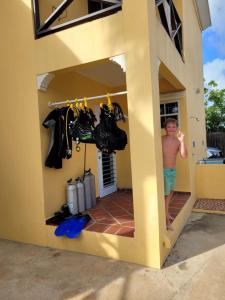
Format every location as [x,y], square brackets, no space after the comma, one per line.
[44,80]
[109,72]
[203,12]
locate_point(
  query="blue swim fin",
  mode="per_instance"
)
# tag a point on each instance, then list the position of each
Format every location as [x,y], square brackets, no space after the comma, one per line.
[63,227]
[72,226]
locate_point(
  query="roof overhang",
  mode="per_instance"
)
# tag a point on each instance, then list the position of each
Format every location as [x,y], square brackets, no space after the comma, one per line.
[203,13]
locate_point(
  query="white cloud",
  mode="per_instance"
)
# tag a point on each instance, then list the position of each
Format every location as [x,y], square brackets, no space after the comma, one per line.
[215,70]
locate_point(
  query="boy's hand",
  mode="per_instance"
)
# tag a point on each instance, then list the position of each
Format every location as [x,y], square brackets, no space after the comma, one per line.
[180,136]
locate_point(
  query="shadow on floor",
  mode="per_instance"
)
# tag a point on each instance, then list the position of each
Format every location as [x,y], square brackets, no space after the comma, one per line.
[202,233]
[32,272]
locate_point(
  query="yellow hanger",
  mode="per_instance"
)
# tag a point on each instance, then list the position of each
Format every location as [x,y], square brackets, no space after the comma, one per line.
[70,105]
[109,102]
[85,102]
[81,106]
[77,103]
[101,105]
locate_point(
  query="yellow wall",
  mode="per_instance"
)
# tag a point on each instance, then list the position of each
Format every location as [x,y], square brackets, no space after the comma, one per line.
[123,162]
[209,181]
[179,7]
[189,74]
[70,85]
[76,9]
[21,193]
[138,33]
[183,174]
[81,44]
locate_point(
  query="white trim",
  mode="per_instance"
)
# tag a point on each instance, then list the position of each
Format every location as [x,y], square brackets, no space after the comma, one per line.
[119,60]
[174,114]
[106,190]
[44,80]
[158,63]
[87,98]
[203,13]
[172,96]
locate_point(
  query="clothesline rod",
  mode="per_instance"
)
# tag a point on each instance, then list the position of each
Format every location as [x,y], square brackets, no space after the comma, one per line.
[87,98]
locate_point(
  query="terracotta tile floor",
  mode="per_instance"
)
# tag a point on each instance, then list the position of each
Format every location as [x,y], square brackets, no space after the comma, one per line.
[179,200]
[216,205]
[114,213]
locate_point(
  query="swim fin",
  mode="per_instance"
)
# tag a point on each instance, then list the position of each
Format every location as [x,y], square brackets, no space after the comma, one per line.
[72,226]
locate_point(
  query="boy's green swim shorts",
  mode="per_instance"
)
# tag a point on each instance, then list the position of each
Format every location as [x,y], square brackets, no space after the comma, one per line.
[169,180]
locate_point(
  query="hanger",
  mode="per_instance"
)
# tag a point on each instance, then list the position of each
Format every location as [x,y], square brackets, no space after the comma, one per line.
[81,107]
[109,103]
[85,103]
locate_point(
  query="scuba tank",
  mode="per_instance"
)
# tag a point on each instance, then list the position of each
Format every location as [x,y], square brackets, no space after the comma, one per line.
[81,194]
[72,199]
[89,177]
[88,194]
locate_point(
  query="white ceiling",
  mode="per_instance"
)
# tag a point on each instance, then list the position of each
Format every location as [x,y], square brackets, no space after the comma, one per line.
[105,72]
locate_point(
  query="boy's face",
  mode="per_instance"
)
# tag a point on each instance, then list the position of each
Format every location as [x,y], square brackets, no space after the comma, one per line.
[171,128]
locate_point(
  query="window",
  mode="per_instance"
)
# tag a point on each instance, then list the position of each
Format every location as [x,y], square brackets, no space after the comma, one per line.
[71,13]
[171,22]
[94,5]
[169,110]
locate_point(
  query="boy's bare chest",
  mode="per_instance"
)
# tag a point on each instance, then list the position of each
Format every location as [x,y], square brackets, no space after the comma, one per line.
[170,145]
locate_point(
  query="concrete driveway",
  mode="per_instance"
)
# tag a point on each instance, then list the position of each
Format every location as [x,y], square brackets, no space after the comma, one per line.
[194,270]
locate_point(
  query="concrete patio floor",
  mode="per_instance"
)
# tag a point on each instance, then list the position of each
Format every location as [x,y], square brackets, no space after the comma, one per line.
[194,270]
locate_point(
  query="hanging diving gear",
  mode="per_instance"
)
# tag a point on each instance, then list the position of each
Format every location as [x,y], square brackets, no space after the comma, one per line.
[83,130]
[108,136]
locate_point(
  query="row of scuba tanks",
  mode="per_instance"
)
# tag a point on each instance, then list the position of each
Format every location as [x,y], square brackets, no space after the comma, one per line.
[81,194]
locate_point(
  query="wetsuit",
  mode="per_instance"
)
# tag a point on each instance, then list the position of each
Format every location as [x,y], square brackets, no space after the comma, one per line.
[61,138]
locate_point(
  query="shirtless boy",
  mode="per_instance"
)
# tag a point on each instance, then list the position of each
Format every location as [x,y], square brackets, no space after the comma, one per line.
[172,143]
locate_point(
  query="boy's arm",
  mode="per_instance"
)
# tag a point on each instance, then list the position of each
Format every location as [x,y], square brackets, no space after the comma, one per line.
[182,147]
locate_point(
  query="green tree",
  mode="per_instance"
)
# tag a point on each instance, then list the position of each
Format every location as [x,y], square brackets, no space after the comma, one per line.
[214,107]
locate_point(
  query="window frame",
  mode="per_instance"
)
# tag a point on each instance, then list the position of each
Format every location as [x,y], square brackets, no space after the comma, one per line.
[41,32]
[165,115]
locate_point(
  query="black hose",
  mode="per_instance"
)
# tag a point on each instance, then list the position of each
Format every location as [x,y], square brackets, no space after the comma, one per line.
[85,154]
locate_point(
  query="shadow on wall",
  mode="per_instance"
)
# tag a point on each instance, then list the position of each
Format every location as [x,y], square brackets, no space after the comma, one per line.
[139,125]
[202,233]
[31,199]
[21,218]
[66,86]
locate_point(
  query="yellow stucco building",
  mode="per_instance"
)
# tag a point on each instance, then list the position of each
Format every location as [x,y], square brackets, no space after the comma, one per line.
[160,45]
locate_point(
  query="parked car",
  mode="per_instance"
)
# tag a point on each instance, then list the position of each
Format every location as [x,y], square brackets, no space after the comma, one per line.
[214,152]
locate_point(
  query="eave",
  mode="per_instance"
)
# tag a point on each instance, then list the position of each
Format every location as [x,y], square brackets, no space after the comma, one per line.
[203,13]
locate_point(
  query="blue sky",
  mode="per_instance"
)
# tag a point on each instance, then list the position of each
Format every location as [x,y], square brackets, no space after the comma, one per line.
[214,44]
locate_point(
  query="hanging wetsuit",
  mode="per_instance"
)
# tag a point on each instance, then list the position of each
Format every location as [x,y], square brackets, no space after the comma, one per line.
[61,137]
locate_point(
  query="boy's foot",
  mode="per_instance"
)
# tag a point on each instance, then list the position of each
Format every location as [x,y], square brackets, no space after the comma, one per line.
[170,218]
[169,226]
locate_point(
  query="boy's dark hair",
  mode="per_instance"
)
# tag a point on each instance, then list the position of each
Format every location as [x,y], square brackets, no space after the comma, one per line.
[170,120]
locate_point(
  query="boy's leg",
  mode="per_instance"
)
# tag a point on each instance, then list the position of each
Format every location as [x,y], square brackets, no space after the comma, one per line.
[172,183]
[168,197]
[168,217]
[170,200]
